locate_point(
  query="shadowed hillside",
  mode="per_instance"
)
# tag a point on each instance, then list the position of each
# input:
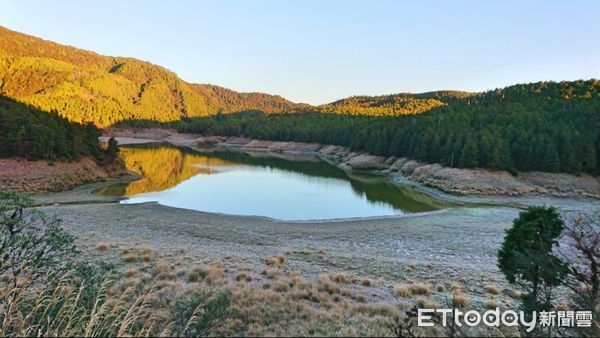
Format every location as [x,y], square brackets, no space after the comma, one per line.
[32,134]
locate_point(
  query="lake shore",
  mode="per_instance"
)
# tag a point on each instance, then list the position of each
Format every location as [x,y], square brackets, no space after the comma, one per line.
[452,181]
[436,250]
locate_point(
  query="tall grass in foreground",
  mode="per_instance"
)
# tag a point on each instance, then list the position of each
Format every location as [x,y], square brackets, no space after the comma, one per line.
[63,308]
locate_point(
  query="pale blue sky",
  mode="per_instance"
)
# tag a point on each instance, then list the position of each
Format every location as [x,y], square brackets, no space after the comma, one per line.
[319,51]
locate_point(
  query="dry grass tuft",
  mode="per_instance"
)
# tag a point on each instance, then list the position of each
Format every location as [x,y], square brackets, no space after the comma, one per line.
[197,274]
[321,251]
[163,270]
[271,273]
[280,259]
[243,277]
[455,286]
[422,302]
[361,298]
[275,261]
[491,288]
[214,274]
[459,299]
[294,274]
[327,285]
[516,294]
[270,260]
[102,246]
[281,286]
[147,250]
[490,304]
[123,309]
[366,282]
[132,272]
[402,290]
[162,267]
[440,287]
[420,288]
[129,258]
[126,251]
[341,278]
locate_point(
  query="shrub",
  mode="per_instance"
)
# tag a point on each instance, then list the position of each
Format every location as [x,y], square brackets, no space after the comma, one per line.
[198,313]
[31,243]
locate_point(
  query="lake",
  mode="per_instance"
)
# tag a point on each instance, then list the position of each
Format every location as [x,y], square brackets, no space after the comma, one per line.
[276,186]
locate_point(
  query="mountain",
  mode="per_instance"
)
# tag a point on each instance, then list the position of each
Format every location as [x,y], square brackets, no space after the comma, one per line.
[84,86]
[392,105]
[221,99]
[544,126]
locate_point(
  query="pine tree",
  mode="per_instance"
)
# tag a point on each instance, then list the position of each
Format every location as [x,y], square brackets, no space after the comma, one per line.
[470,154]
[551,160]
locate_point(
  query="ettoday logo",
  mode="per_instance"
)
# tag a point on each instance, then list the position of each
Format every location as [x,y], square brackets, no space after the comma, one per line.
[496,318]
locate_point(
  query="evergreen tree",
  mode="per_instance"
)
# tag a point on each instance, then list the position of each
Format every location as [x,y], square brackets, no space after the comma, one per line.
[470,154]
[112,150]
[526,257]
[551,160]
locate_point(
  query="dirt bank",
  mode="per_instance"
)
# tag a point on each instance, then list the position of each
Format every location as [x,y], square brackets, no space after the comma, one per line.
[39,176]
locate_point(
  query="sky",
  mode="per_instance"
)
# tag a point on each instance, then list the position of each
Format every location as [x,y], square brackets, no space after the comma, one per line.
[317,51]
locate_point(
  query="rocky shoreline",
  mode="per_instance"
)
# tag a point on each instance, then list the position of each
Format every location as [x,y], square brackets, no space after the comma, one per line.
[450,180]
[459,182]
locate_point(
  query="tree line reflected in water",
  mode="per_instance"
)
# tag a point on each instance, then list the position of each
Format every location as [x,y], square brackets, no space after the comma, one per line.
[163,166]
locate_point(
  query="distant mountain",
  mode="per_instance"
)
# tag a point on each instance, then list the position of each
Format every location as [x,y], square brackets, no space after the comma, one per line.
[221,99]
[84,86]
[392,105]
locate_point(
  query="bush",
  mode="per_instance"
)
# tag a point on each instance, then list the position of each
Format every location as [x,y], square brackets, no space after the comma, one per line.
[197,314]
[31,243]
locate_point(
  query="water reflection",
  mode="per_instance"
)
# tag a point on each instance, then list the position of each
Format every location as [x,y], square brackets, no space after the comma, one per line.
[284,187]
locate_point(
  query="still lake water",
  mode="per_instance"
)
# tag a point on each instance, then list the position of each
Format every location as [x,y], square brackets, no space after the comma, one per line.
[276,186]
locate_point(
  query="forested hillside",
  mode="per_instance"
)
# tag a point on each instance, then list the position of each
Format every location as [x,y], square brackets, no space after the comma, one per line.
[33,134]
[391,105]
[544,126]
[87,87]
